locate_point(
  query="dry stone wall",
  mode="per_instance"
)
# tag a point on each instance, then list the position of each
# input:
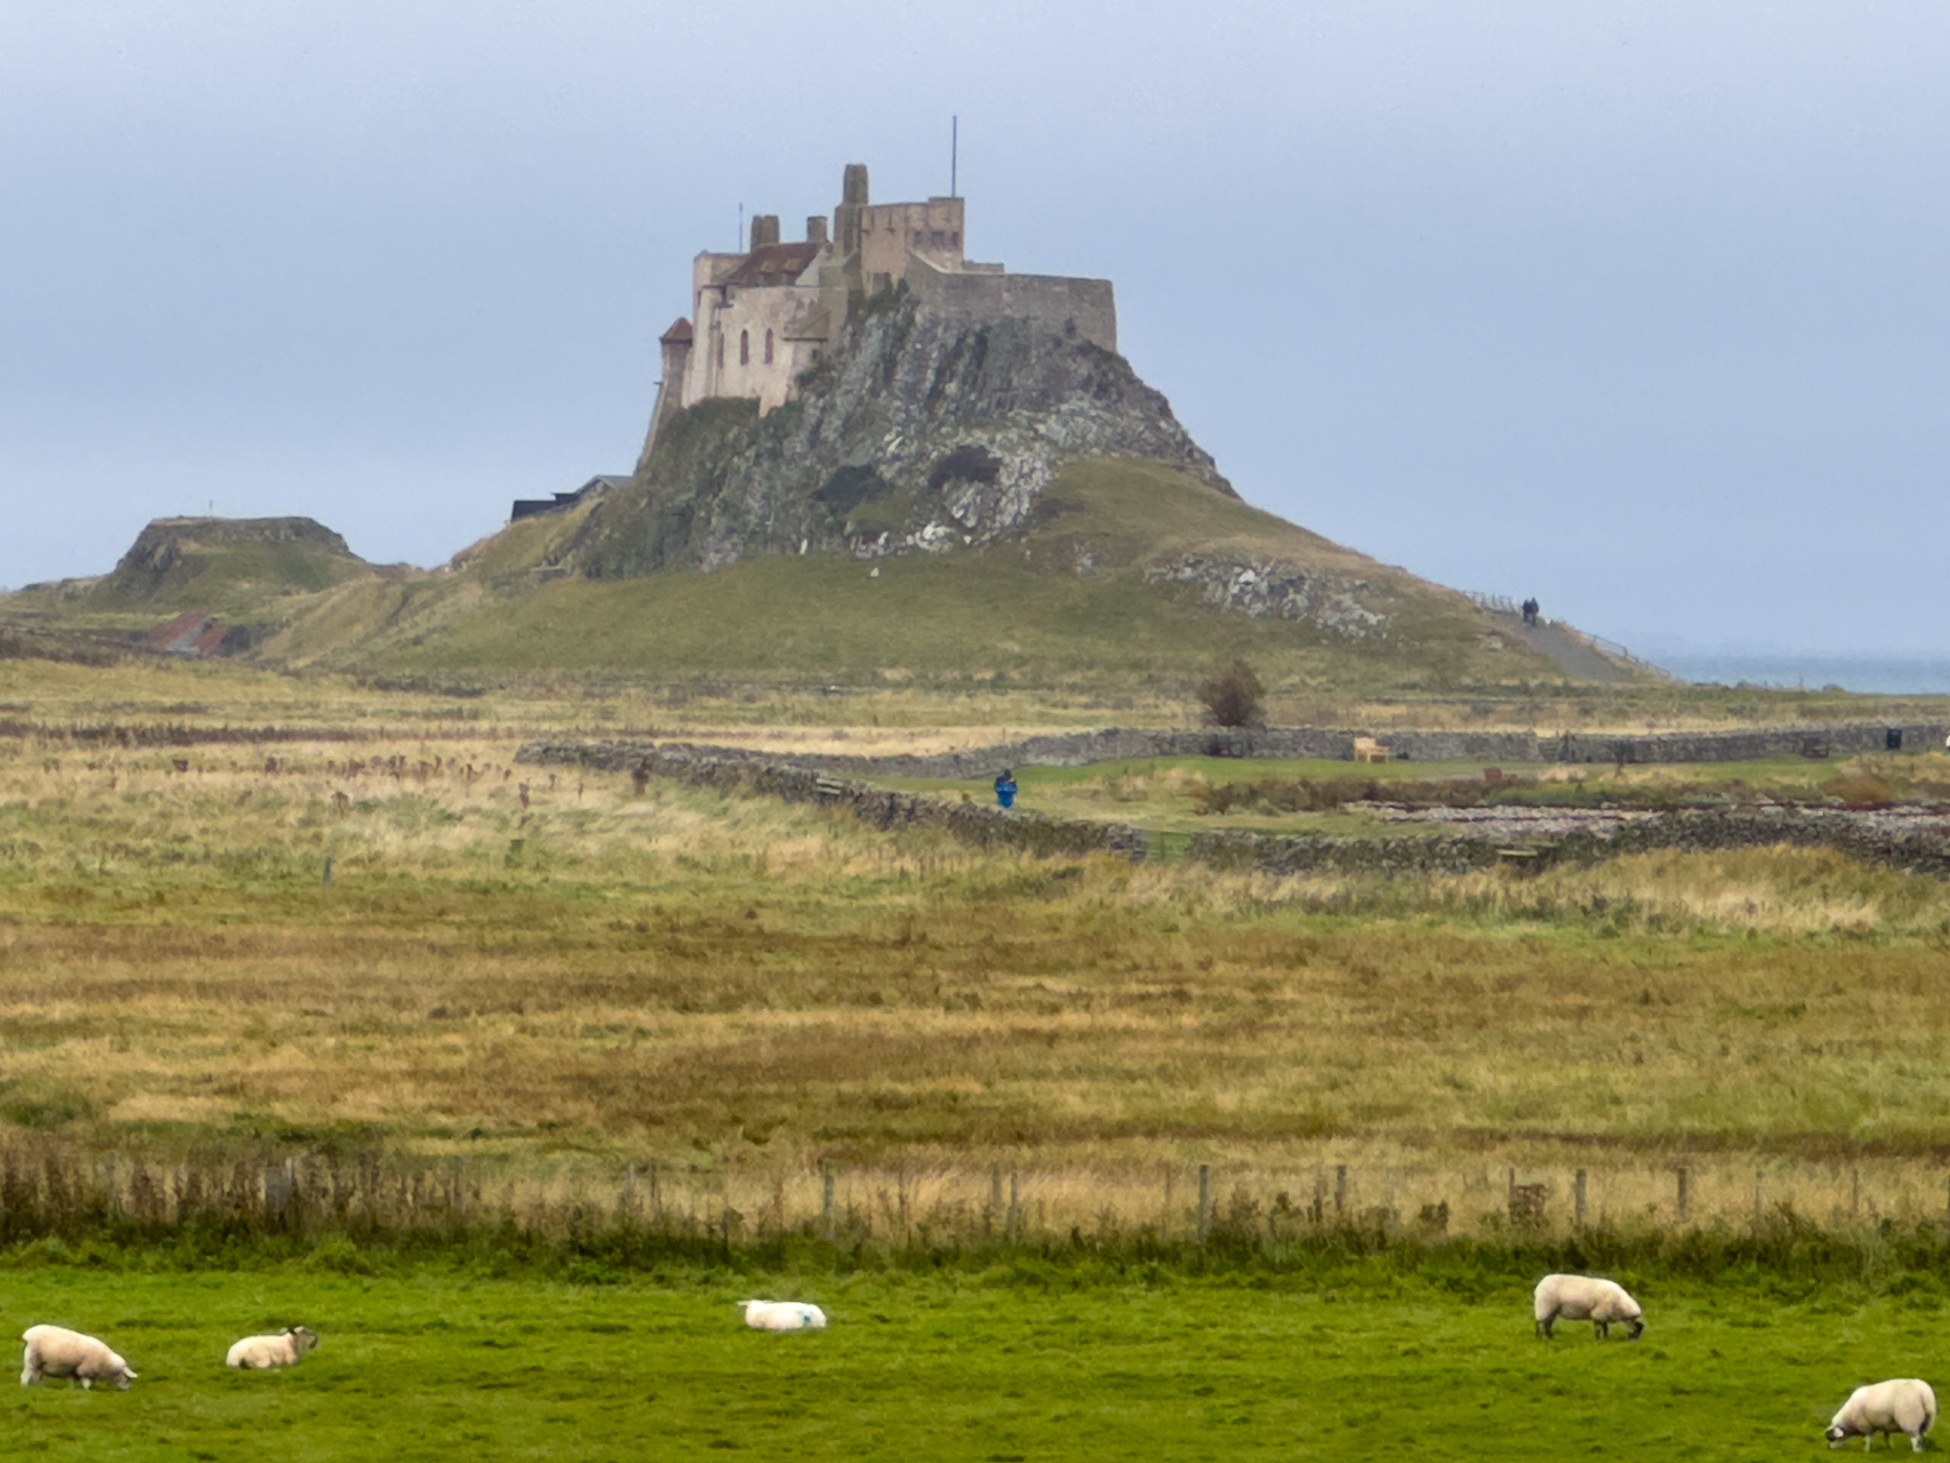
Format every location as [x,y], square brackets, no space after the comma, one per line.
[974,823]
[1080,749]
[1894,839]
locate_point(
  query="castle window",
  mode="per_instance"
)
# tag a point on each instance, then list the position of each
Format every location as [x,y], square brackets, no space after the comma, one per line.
[768,347]
[954,239]
[744,347]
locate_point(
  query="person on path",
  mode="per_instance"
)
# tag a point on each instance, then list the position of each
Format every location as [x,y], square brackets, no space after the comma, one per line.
[1005,789]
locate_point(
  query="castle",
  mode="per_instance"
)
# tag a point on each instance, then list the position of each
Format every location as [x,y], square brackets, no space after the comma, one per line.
[761,319]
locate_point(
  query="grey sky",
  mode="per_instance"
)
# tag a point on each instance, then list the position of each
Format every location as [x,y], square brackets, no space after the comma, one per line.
[1639,308]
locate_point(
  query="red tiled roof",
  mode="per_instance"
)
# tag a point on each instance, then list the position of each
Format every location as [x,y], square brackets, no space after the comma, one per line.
[773,264]
[679,333]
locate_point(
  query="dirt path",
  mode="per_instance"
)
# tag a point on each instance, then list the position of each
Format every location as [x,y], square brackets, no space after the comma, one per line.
[1573,656]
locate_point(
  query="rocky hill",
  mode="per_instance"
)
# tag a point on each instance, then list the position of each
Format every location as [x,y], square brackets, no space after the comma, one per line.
[918,434]
[942,502]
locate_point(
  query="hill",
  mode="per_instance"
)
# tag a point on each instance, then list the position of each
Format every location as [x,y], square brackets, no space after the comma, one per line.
[234,567]
[943,502]
[1127,571]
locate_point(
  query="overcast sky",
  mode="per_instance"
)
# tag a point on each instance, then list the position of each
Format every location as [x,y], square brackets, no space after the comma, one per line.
[1638,308]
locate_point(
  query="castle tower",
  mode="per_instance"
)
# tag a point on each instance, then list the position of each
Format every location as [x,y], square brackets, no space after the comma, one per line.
[676,343]
[853,202]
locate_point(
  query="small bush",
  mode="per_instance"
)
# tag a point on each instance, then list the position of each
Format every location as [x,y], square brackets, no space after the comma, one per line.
[1232,695]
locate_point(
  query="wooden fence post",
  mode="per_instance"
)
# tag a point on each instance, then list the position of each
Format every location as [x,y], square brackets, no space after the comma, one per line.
[1340,1189]
[826,1198]
[1578,1194]
[1684,1197]
[1014,1231]
[1854,1194]
[1204,1201]
[1757,1205]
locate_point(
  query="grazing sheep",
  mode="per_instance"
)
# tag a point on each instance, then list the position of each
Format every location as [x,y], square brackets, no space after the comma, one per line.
[283,1349]
[55,1351]
[783,1315]
[1902,1406]
[1583,1298]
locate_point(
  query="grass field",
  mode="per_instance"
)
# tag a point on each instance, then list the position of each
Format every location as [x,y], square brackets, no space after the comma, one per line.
[740,991]
[996,1365]
[585,1008]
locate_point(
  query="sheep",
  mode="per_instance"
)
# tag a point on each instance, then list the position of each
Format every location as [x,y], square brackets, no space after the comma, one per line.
[783,1315]
[55,1351]
[283,1349]
[1902,1406]
[1584,1298]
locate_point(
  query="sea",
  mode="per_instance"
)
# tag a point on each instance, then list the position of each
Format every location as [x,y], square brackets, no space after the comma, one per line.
[1881,675]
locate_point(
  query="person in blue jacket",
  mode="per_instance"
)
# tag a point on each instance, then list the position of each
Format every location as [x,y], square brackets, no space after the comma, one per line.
[1005,789]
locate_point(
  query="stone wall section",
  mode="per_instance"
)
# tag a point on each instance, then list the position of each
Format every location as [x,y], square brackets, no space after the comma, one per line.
[1880,840]
[1860,836]
[975,823]
[1114,744]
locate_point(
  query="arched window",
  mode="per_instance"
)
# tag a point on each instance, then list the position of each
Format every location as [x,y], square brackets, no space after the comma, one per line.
[768,347]
[744,347]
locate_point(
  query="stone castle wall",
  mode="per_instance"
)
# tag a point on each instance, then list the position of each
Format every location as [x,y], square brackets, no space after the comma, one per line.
[1053,302]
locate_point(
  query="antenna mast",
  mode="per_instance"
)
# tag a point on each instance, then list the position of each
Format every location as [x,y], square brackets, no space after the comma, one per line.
[739,247]
[954,154]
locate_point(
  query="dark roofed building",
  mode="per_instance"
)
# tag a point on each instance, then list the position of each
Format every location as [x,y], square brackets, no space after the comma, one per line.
[561,502]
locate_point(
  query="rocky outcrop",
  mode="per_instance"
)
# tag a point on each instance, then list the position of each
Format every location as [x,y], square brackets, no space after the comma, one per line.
[919,434]
[1261,587]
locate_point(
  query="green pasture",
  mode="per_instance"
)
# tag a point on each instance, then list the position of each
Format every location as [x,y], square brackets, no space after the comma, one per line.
[982,1367]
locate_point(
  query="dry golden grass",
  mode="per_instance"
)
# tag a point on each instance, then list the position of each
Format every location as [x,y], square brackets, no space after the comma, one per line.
[737,991]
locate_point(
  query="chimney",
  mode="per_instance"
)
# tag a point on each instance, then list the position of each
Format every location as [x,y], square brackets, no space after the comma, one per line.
[816,229]
[765,229]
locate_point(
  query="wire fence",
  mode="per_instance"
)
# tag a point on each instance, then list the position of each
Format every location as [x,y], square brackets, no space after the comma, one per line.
[46,1188]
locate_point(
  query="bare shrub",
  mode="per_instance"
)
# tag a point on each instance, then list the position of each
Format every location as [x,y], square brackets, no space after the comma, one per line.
[1232,695]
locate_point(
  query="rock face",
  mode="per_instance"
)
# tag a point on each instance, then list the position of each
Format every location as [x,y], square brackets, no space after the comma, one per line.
[918,434]
[1258,587]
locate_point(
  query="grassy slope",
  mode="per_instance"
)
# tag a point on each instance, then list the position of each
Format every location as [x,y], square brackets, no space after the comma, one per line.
[949,1368]
[1013,610]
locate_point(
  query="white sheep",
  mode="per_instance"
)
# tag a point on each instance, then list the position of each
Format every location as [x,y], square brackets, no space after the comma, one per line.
[783,1315]
[1901,1406]
[1584,1298]
[55,1351]
[283,1349]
